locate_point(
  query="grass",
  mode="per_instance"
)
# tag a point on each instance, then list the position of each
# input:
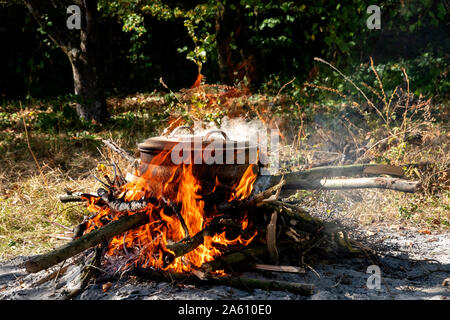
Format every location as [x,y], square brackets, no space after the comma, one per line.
[68,151]
[401,129]
[28,199]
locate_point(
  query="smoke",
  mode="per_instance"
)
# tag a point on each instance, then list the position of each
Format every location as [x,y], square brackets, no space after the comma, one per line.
[256,133]
[237,129]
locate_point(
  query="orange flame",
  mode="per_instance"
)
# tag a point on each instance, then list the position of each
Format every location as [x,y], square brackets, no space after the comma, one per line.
[149,242]
[198,81]
[245,186]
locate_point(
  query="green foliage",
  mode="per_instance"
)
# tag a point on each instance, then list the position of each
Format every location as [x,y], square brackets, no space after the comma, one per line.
[52,121]
[409,38]
[287,35]
[5,120]
[407,212]
[296,24]
[201,45]
[427,76]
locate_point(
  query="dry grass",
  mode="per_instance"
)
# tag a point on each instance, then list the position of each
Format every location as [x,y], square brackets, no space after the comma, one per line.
[29,206]
[429,208]
[30,211]
[29,203]
[407,134]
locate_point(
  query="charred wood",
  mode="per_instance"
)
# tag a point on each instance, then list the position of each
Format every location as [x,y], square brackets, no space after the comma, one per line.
[120,205]
[244,283]
[243,204]
[271,237]
[89,271]
[247,256]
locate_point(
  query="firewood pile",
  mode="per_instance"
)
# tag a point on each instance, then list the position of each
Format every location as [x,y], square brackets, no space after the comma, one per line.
[184,228]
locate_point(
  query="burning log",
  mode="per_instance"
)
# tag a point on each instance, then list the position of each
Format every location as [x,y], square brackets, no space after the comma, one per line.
[185,246]
[180,217]
[117,205]
[88,240]
[115,228]
[112,229]
[120,205]
[250,256]
[245,204]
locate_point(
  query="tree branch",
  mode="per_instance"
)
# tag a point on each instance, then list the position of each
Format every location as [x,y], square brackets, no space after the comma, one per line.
[114,147]
[91,239]
[61,39]
[356,183]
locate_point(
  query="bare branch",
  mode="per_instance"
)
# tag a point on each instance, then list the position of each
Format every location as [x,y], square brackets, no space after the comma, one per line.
[55,32]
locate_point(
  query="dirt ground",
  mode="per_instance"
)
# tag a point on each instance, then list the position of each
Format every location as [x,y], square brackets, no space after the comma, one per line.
[413,265]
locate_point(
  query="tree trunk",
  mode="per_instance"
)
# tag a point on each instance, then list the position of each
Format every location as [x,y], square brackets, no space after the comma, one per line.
[249,67]
[84,57]
[87,69]
[224,29]
[92,103]
[231,26]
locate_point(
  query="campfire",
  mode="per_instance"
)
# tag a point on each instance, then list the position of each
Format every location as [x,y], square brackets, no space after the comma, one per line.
[177,213]
[185,227]
[197,208]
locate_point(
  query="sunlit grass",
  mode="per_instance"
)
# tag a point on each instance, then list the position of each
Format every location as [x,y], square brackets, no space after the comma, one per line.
[68,156]
[27,208]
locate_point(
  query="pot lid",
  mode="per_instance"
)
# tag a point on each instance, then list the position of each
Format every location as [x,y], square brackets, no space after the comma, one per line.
[218,137]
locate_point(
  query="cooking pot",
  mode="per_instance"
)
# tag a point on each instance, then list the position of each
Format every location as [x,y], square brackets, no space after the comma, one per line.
[215,159]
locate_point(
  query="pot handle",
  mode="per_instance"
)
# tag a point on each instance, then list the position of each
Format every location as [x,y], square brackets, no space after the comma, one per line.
[208,135]
[180,128]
